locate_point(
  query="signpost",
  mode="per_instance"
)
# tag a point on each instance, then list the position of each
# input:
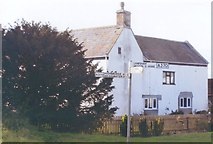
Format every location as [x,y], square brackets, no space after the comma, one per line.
[151,65]
[111,75]
[136,67]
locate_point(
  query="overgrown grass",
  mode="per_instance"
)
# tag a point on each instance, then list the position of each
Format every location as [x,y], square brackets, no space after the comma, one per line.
[35,135]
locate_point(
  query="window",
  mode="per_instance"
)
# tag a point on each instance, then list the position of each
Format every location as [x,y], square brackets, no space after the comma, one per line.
[119,50]
[185,102]
[150,103]
[168,77]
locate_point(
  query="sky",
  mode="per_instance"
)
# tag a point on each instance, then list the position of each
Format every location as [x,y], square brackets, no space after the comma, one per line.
[178,20]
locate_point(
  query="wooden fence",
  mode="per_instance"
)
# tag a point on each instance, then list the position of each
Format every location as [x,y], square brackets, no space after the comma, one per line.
[172,123]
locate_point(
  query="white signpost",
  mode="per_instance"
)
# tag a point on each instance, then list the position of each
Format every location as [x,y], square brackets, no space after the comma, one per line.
[136,67]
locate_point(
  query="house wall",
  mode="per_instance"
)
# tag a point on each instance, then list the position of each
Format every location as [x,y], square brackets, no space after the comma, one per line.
[102,63]
[187,79]
[119,62]
[150,82]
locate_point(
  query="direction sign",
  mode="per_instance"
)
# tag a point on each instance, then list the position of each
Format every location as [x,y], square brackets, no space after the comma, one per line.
[136,69]
[151,65]
[139,64]
[111,75]
[162,65]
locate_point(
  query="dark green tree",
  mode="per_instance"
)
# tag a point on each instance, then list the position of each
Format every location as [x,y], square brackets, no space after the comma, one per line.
[47,79]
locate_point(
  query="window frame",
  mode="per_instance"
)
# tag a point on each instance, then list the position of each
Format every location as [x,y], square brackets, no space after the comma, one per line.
[150,104]
[168,78]
[185,102]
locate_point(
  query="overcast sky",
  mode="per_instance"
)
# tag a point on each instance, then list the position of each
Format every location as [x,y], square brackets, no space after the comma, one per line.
[178,20]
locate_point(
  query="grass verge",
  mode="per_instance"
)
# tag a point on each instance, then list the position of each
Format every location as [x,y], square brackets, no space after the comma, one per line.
[34,135]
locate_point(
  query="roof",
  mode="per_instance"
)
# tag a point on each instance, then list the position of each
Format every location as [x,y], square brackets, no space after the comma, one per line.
[98,41]
[155,49]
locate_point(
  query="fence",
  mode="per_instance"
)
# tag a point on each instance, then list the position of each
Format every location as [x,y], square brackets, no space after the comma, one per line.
[172,123]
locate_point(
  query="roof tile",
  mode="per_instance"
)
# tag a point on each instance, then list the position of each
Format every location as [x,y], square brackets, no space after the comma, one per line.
[155,49]
[98,41]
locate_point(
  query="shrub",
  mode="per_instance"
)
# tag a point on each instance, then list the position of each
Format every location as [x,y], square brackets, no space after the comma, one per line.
[158,125]
[155,129]
[201,112]
[13,120]
[123,126]
[210,123]
[143,128]
[203,125]
[176,112]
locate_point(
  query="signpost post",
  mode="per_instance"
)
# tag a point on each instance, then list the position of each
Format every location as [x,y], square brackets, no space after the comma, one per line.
[129,104]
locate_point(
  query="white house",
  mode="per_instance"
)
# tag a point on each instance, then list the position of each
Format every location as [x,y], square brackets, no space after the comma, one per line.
[174,74]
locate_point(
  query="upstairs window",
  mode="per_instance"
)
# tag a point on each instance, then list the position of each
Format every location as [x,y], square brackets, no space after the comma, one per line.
[119,50]
[168,78]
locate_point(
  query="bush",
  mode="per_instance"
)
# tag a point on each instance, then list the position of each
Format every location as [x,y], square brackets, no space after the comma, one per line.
[13,120]
[176,112]
[143,128]
[203,125]
[210,126]
[201,112]
[123,126]
[157,127]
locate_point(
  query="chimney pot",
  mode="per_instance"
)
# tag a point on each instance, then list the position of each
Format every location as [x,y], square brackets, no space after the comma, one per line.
[122,5]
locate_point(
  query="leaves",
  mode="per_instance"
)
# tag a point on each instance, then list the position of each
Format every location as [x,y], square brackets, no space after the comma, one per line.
[47,78]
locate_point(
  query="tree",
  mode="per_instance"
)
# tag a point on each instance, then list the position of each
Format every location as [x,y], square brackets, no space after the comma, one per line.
[47,79]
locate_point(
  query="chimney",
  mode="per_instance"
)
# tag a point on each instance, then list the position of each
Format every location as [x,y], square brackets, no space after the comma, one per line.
[123,17]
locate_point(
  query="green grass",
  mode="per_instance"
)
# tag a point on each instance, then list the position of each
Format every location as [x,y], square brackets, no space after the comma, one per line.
[34,135]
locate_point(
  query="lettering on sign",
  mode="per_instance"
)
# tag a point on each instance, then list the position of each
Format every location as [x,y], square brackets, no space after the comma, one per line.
[139,64]
[151,65]
[162,65]
[136,70]
[110,75]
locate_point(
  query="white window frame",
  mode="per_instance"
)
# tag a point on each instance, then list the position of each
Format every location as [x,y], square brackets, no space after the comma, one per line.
[150,104]
[168,77]
[185,100]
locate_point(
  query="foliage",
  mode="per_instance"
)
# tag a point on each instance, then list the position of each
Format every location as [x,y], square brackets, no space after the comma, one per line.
[176,112]
[155,129]
[13,120]
[143,128]
[201,112]
[123,126]
[47,79]
[203,125]
[158,125]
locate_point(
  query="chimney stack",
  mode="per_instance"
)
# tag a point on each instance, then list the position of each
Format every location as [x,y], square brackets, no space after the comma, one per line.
[123,17]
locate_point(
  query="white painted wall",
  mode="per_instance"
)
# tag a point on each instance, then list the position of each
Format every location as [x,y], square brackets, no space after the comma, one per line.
[150,82]
[187,78]
[102,64]
[119,62]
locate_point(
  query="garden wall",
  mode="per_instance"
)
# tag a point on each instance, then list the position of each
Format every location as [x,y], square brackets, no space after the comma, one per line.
[172,123]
